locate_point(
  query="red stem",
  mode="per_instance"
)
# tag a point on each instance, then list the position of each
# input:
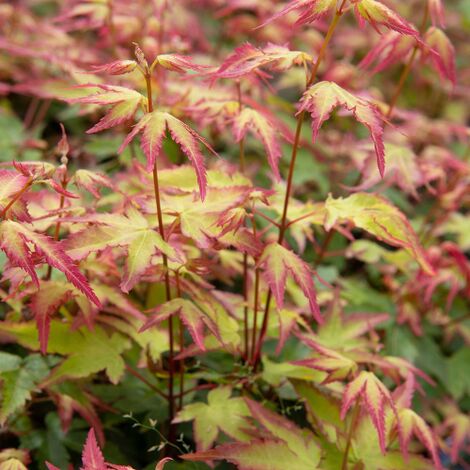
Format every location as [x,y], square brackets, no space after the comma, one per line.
[64,183]
[156,187]
[295,147]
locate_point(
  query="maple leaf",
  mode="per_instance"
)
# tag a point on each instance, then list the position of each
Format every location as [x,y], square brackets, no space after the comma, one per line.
[86,352]
[205,222]
[153,127]
[377,216]
[227,326]
[118,67]
[131,231]
[409,423]
[459,425]
[38,171]
[82,404]
[442,53]
[300,443]
[193,318]
[44,303]
[277,373]
[124,101]
[402,169]
[221,413]
[376,13]
[286,446]
[15,240]
[278,263]
[260,125]
[92,458]
[19,377]
[436,9]
[320,100]
[256,455]
[177,63]
[248,58]
[12,464]
[323,409]
[368,452]
[343,332]
[310,10]
[91,181]
[11,182]
[336,365]
[374,394]
[391,48]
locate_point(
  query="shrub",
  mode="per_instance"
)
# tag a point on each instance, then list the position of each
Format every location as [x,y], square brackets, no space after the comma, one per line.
[189,270]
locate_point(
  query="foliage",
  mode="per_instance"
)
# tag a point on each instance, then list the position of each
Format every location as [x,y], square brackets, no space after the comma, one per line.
[193,279]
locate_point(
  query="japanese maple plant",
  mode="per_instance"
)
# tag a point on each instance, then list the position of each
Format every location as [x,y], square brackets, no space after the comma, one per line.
[234,234]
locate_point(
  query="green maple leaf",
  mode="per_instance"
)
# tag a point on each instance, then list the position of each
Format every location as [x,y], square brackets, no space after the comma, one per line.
[283,445]
[19,378]
[221,413]
[87,351]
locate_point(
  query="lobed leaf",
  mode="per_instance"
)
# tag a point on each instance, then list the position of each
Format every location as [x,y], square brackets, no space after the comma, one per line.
[255,455]
[178,63]
[124,101]
[14,238]
[221,413]
[19,381]
[193,318]
[247,59]
[260,125]
[320,100]
[368,387]
[153,127]
[44,303]
[91,181]
[436,9]
[336,365]
[377,216]
[411,423]
[442,53]
[92,458]
[118,67]
[310,10]
[278,263]
[130,231]
[376,13]
[391,48]
[86,352]
[300,443]
[11,182]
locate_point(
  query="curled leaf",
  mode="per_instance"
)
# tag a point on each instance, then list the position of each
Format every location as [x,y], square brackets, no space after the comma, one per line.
[320,100]
[118,67]
[278,263]
[442,53]
[310,10]
[248,58]
[250,119]
[15,239]
[436,9]
[376,13]
[178,63]
[124,103]
[377,216]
